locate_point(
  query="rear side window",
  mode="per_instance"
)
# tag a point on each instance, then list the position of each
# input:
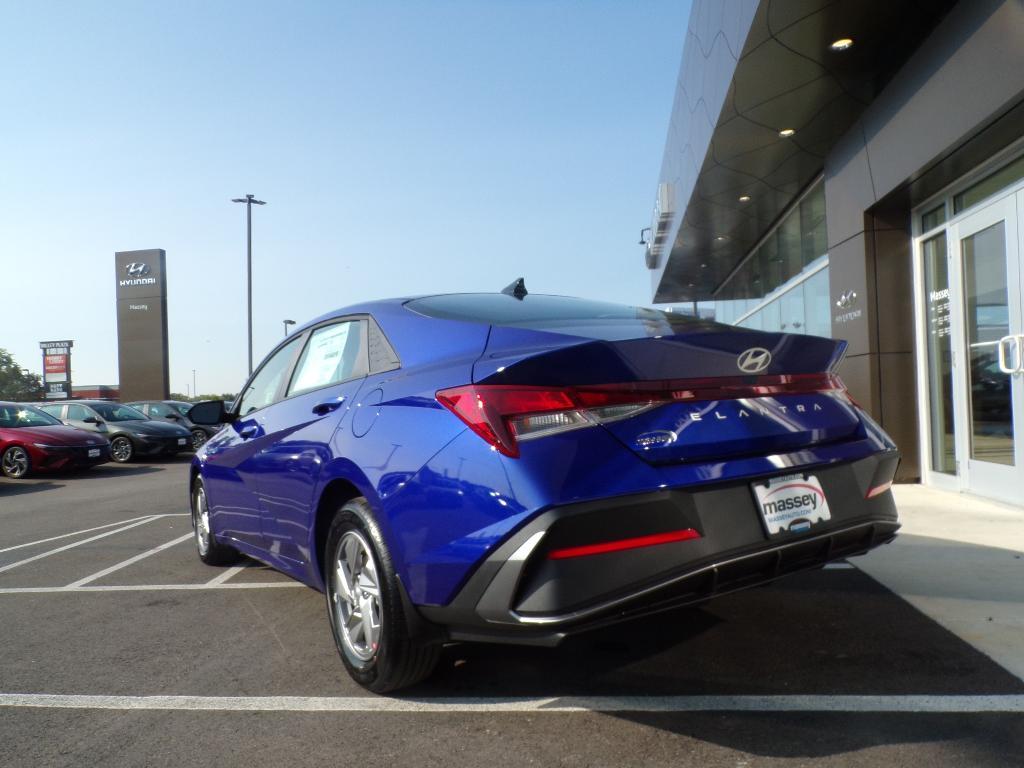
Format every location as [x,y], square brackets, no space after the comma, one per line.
[559,314]
[53,410]
[334,354]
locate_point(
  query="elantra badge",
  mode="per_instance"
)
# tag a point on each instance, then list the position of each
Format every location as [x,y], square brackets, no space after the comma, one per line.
[754,360]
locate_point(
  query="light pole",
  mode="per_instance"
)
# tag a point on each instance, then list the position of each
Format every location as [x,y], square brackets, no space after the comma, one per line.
[250,201]
[194,390]
[286,324]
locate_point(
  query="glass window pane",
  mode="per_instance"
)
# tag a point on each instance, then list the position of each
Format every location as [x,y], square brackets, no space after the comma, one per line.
[792,308]
[814,237]
[933,218]
[988,186]
[262,390]
[331,356]
[939,353]
[987,320]
[817,309]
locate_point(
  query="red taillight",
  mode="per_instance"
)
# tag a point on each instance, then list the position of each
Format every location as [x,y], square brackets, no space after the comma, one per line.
[685,534]
[502,414]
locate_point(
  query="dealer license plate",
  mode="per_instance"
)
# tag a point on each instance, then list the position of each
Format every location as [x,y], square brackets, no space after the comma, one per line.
[181,441]
[94,453]
[791,504]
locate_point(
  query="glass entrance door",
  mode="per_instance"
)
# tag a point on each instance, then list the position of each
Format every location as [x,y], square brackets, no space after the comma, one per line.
[988,333]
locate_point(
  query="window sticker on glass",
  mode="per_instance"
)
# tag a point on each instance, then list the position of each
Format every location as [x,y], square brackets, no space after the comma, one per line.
[322,360]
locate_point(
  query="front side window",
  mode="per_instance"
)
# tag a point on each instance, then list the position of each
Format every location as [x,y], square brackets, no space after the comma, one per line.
[263,388]
[332,355]
[159,410]
[116,412]
[53,410]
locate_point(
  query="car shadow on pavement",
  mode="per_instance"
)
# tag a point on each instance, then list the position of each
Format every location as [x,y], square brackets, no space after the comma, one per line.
[822,633]
[10,488]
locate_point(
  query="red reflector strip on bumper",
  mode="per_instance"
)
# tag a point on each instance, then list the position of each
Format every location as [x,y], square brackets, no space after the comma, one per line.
[878,490]
[685,534]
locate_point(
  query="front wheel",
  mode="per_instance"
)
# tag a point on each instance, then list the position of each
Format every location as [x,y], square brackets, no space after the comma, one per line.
[210,551]
[15,462]
[121,449]
[198,438]
[364,606]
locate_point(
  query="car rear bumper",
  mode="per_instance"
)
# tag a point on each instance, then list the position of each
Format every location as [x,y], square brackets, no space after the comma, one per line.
[520,594]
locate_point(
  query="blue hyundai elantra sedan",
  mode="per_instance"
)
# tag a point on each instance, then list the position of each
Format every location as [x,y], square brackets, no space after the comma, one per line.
[513,468]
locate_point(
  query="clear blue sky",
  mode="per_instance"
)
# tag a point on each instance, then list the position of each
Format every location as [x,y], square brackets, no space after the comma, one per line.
[403,148]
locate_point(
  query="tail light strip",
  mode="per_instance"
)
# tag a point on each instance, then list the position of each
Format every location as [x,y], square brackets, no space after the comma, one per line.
[503,413]
[685,534]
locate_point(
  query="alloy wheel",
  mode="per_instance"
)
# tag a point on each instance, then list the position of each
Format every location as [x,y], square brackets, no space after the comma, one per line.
[121,449]
[355,592]
[202,521]
[198,438]
[15,462]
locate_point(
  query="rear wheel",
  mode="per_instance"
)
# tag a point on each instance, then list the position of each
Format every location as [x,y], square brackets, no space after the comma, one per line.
[210,551]
[364,606]
[121,449]
[15,462]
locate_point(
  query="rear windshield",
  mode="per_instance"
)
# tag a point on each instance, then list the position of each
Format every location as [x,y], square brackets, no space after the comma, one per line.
[560,314]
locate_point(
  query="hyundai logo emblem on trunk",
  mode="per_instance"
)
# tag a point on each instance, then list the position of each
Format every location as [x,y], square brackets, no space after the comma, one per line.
[754,360]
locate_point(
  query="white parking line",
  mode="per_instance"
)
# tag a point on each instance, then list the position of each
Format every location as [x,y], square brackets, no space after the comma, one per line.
[129,561]
[73,533]
[66,547]
[148,587]
[544,705]
[222,577]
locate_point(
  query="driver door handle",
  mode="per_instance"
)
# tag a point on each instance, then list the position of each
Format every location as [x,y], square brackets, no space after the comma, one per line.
[321,409]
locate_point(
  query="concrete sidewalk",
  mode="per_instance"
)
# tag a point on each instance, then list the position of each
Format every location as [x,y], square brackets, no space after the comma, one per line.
[960,561]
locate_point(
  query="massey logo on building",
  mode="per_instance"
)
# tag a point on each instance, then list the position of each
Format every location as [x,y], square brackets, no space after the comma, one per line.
[137,274]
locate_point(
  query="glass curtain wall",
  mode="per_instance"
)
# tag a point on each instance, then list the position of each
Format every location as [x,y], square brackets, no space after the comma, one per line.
[783,285]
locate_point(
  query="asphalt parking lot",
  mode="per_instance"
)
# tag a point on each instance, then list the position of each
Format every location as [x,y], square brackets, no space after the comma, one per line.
[121,648]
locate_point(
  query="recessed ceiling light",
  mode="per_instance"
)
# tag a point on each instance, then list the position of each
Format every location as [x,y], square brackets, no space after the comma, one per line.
[721,239]
[841,44]
[703,266]
[786,132]
[744,198]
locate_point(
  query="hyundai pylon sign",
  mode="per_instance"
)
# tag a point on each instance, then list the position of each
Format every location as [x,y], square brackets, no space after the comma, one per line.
[140,279]
[57,368]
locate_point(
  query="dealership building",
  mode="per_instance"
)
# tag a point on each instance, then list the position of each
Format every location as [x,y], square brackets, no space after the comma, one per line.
[855,169]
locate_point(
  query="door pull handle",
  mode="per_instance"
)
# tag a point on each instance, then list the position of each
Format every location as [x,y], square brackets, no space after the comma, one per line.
[322,409]
[1005,364]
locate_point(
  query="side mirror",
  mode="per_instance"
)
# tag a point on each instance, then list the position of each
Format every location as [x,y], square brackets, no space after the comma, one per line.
[90,420]
[174,417]
[210,413]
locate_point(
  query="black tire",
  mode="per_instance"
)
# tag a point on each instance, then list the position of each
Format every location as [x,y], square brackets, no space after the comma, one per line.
[199,437]
[398,660]
[122,449]
[210,551]
[15,463]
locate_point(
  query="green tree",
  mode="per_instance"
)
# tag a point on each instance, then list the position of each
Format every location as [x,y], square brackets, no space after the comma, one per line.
[16,383]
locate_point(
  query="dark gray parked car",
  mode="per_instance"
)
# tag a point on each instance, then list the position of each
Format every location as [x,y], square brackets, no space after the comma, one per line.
[176,412]
[131,433]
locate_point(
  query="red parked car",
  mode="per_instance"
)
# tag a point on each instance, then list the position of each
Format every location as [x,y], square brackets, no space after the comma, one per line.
[33,441]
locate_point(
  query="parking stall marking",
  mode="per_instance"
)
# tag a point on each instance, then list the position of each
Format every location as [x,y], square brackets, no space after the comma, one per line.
[150,587]
[222,577]
[129,561]
[919,704]
[73,533]
[66,547]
